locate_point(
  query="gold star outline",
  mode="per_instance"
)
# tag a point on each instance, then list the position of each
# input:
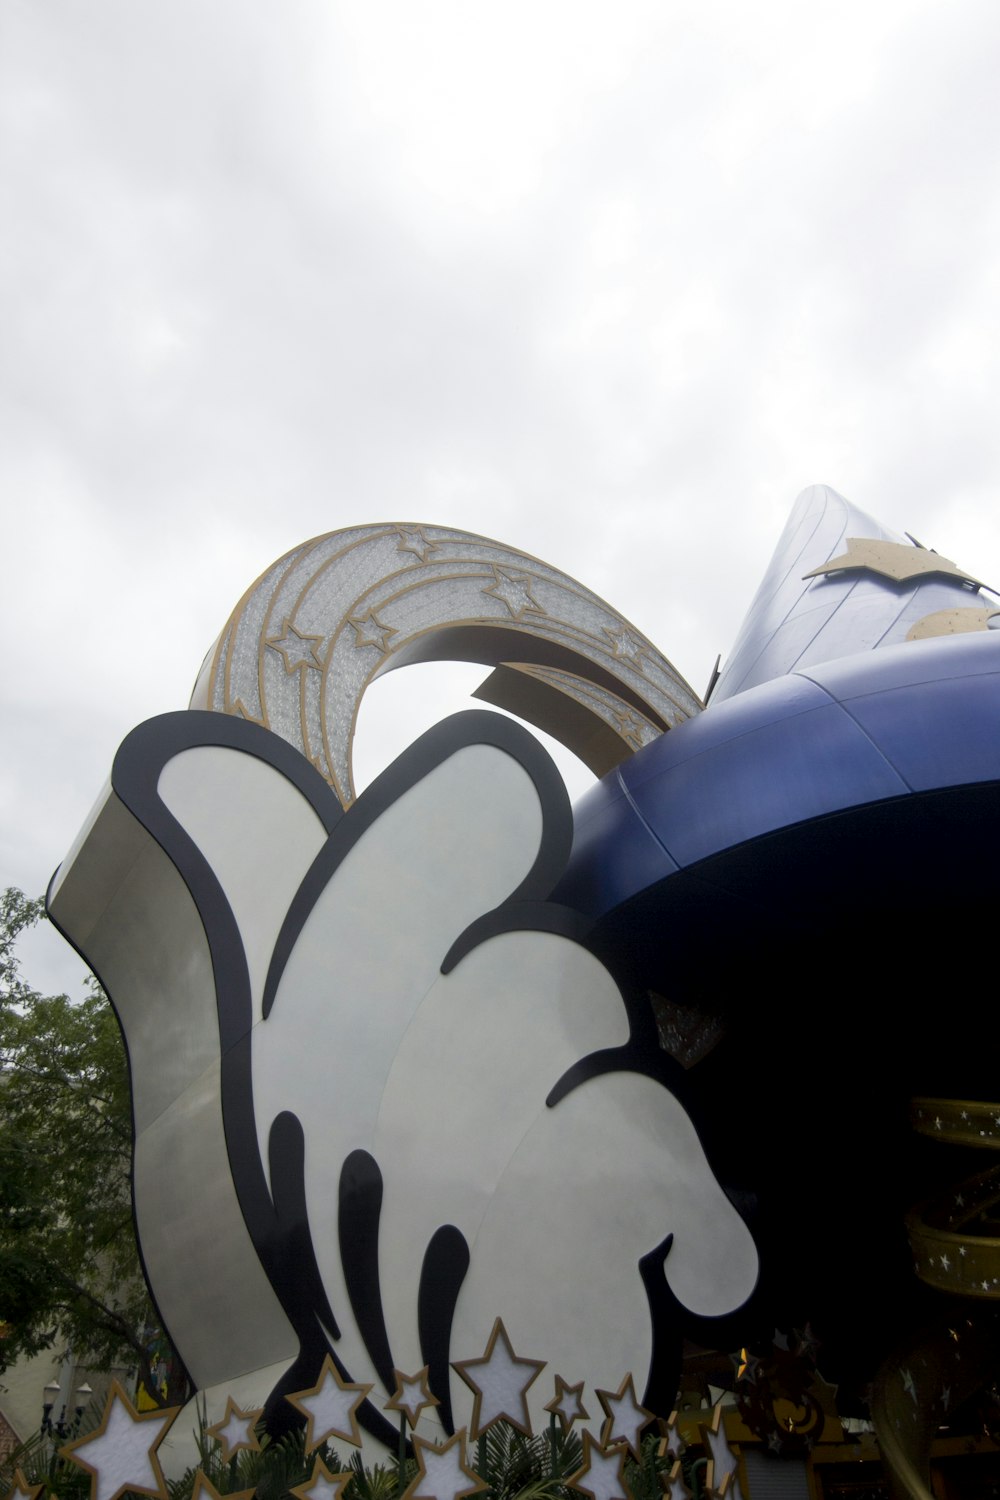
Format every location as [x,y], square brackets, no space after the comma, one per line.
[411,1395]
[514,591]
[893,560]
[331,1391]
[120,1416]
[297,648]
[720,1472]
[204,1489]
[624,1417]
[412,539]
[235,1419]
[498,1347]
[599,1462]
[672,1482]
[321,1484]
[21,1489]
[432,1469]
[567,1404]
[370,631]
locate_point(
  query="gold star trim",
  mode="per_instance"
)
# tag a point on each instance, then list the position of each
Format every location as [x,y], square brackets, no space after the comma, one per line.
[247,1420]
[412,539]
[720,1471]
[571,1410]
[21,1489]
[411,1403]
[464,1368]
[370,631]
[619,1406]
[297,648]
[330,1377]
[892,560]
[595,1457]
[241,711]
[159,1424]
[422,1451]
[204,1489]
[951,622]
[321,1484]
[514,591]
[625,647]
[672,1482]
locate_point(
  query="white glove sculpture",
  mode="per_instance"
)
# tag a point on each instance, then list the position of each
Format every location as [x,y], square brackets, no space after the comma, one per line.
[382,1092]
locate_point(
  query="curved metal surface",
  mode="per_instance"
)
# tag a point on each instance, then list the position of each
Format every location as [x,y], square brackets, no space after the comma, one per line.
[796,621]
[306,640]
[921,717]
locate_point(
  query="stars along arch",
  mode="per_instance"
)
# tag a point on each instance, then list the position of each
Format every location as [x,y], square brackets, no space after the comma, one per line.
[319,625]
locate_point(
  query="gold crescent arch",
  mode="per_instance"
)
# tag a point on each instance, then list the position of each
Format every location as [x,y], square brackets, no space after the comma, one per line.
[318,626]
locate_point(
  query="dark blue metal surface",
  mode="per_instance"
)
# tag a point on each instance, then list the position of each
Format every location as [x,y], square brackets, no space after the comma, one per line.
[915,718]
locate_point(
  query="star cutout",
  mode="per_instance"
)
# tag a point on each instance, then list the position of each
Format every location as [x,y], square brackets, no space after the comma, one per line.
[500,1384]
[908,1385]
[722,1459]
[121,1451]
[369,630]
[412,539]
[514,590]
[893,560]
[204,1489]
[567,1404]
[321,1484]
[625,1417]
[626,647]
[236,1430]
[299,650]
[443,1472]
[330,1407]
[411,1395]
[22,1490]
[605,1470]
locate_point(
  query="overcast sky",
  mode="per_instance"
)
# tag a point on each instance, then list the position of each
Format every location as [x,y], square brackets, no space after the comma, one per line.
[609,283]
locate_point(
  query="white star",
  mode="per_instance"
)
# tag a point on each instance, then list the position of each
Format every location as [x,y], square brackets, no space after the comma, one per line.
[500,1383]
[514,590]
[322,1485]
[236,1430]
[908,1385]
[411,1395]
[121,1452]
[723,1457]
[946,1263]
[331,1407]
[625,1417]
[444,1473]
[567,1404]
[605,1473]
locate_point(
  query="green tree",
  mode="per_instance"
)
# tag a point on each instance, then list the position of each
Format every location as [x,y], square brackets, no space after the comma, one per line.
[69,1267]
